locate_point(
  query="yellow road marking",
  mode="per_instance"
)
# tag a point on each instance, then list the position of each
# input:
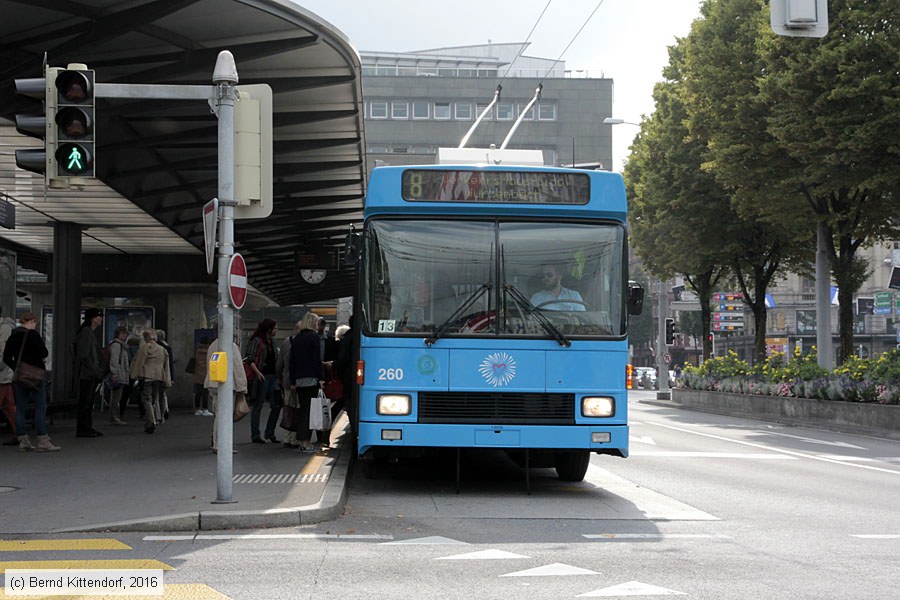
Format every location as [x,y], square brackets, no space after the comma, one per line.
[139,563]
[312,467]
[50,545]
[173,591]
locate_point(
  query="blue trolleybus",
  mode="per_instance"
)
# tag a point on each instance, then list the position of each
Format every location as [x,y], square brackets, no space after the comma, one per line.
[493,311]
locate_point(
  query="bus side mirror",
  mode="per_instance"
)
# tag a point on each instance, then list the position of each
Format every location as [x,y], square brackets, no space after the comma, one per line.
[352,247]
[635,298]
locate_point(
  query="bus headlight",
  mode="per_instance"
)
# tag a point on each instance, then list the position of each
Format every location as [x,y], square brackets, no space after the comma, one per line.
[598,406]
[394,404]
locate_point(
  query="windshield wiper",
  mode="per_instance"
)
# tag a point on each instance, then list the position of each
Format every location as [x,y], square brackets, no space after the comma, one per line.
[548,325]
[473,297]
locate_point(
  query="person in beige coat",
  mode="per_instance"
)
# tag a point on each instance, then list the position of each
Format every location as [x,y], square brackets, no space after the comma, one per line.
[151,369]
[240,383]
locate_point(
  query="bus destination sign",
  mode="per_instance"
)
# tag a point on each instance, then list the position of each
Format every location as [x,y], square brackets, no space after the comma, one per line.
[501,187]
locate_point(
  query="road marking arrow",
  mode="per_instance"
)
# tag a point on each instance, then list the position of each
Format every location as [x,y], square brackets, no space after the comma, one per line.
[645,439]
[632,588]
[551,570]
[483,555]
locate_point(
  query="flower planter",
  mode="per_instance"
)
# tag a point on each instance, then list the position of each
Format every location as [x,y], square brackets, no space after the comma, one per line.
[852,417]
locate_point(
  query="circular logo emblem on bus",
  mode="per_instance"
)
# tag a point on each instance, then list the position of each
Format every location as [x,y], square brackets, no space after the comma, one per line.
[426,364]
[498,369]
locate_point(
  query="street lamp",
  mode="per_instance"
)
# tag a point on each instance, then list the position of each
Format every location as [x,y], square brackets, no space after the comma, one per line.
[615,121]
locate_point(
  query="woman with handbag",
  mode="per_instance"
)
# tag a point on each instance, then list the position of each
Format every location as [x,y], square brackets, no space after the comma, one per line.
[307,375]
[261,357]
[25,353]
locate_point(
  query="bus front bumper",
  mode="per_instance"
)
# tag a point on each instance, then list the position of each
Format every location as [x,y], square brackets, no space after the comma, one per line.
[611,439]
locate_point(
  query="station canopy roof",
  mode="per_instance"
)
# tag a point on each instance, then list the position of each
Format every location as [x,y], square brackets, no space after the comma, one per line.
[157,159]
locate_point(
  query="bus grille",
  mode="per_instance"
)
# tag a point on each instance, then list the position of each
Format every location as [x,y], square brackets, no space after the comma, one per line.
[500,408]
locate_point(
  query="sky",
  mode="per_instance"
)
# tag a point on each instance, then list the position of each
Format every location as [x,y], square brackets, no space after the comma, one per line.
[625,40]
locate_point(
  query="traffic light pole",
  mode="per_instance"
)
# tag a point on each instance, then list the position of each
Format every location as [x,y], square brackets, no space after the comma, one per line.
[225,78]
[662,380]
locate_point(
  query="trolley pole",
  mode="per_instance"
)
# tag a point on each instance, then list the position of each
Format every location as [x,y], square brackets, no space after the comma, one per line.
[224,79]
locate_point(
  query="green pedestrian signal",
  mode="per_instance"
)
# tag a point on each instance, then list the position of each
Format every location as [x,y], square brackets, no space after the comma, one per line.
[74,159]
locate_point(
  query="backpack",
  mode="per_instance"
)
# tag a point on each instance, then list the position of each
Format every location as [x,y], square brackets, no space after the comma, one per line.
[105,360]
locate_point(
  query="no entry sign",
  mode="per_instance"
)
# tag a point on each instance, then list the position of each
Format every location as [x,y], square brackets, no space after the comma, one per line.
[237,281]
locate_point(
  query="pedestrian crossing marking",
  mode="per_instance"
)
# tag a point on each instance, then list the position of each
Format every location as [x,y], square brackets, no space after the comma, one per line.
[172,591]
[632,588]
[312,465]
[52,545]
[138,563]
[483,555]
[434,539]
[555,569]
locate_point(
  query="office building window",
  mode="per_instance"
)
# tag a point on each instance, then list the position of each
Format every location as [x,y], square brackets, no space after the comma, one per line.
[399,110]
[442,110]
[505,111]
[385,69]
[420,109]
[406,71]
[378,109]
[479,108]
[529,116]
[466,72]
[463,111]
[547,111]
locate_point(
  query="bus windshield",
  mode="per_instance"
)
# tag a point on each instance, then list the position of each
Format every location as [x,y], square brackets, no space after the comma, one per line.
[494,278]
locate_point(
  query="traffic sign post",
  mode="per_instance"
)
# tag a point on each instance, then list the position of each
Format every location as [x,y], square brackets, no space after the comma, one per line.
[237,281]
[210,225]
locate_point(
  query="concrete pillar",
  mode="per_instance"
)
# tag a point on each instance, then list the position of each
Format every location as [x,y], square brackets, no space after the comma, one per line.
[185,315]
[66,307]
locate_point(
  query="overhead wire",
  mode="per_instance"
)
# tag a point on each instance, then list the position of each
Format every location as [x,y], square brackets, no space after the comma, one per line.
[525,43]
[583,25]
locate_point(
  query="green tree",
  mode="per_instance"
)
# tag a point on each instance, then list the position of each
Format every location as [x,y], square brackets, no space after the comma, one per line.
[834,111]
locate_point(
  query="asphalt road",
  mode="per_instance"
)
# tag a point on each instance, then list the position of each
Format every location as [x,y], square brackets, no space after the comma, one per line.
[706,507]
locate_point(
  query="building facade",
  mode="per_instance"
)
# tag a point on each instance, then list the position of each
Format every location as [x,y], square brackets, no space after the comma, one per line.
[416,102]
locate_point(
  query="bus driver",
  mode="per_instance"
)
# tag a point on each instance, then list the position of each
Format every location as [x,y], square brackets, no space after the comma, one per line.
[553,295]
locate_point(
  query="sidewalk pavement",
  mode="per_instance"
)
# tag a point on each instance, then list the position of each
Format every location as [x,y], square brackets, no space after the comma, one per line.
[128,480]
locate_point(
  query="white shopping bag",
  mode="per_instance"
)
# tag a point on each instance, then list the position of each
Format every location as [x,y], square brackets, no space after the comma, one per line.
[319,407]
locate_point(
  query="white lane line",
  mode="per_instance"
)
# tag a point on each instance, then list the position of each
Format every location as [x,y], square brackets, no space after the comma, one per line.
[267,536]
[884,536]
[779,450]
[689,454]
[654,536]
[432,539]
[815,441]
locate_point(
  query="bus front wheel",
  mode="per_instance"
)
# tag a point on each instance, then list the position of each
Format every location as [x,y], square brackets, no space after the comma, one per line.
[572,465]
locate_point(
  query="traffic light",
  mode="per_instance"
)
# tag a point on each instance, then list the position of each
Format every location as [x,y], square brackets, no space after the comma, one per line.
[74,120]
[36,124]
[670,331]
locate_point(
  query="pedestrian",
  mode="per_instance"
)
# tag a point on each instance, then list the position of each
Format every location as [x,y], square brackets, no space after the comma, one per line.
[88,371]
[26,346]
[289,398]
[164,397]
[323,336]
[239,386]
[201,366]
[307,374]
[261,356]
[117,379]
[7,399]
[151,369]
[345,368]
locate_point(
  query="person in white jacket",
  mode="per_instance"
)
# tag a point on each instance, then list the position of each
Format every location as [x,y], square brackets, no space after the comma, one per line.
[240,383]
